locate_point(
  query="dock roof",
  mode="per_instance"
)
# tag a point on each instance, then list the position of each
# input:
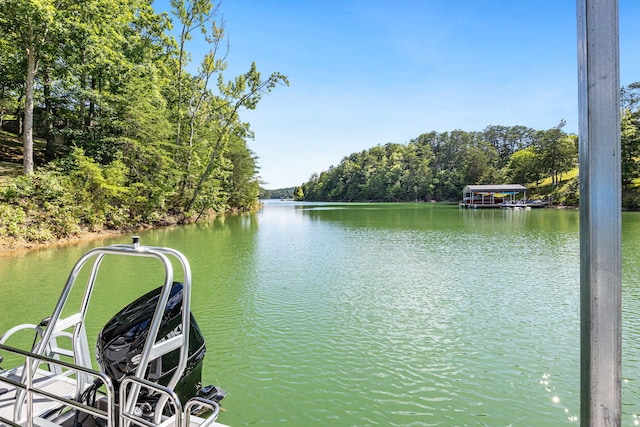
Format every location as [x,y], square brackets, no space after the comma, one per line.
[494,188]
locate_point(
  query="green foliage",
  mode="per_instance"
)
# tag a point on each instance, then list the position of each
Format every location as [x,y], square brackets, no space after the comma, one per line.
[132,137]
[38,208]
[524,166]
[280,193]
[568,194]
[630,146]
[631,200]
[438,165]
[630,97]
[99,189]
[506,140]
[241,184]
[12,221]
[389,173]
[557,152]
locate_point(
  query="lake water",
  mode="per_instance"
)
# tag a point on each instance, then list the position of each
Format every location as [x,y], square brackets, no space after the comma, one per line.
[373,314]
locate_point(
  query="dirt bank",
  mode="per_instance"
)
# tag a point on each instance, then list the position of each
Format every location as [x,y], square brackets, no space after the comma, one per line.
[11,247]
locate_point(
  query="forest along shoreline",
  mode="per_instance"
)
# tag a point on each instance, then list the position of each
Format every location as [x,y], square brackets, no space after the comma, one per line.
[10,247]
[12,244]
[126,138]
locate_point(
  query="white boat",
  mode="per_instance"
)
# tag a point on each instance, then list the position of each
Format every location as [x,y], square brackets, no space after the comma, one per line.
[524,204]
[149,355]
[515,206]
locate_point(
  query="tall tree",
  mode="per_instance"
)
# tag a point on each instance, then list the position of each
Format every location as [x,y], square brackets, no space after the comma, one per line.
[475,165]
[242,183]
[557,151]
[207,106]
[630,97]
[194,15]
[33,26]
[75,51]
[108,44]
[11,78]
[508,139]
[524,166]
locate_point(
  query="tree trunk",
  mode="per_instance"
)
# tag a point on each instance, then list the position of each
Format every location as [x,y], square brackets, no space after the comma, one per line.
[50,149]
[28,110]
[2,111]
[83,87]
[92,105]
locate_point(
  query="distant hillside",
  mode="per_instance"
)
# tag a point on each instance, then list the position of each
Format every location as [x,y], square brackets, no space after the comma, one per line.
[437,165]
[280,193]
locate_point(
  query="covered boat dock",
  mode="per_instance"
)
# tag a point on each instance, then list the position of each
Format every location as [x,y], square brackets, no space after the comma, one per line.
[492,196]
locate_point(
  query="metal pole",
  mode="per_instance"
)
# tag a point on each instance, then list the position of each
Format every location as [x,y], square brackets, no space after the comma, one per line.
[600,212]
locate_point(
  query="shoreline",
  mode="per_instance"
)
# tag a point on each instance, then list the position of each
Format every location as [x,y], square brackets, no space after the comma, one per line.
[13,247]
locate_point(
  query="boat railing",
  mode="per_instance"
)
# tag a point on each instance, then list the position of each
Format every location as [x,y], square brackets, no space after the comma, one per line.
[26,326]
[47,351]
[52,350]
[153,348]
[167,396]
[33,389]
[198,401]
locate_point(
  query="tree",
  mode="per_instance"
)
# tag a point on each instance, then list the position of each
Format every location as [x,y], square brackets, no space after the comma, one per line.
[476,165]
[11,78]
[31,25]
[417,176]
[193,15]
[192,94]
[242,185]
[438,165]
[507,140]
[76,56]
[207,108]
[630,97]
[524,166]
[557,151]
[244,92]
[630,146]
[630,133]
[109,85]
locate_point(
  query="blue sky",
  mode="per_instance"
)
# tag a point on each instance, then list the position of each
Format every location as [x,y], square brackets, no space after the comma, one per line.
[364,73]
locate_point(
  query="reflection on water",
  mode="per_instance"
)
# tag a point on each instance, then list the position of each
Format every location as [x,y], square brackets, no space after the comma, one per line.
[378,314]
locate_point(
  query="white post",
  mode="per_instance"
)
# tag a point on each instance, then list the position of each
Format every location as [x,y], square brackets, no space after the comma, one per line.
[600,213]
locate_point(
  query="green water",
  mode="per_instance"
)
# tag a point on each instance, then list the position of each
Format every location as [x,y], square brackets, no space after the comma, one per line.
[373,314]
